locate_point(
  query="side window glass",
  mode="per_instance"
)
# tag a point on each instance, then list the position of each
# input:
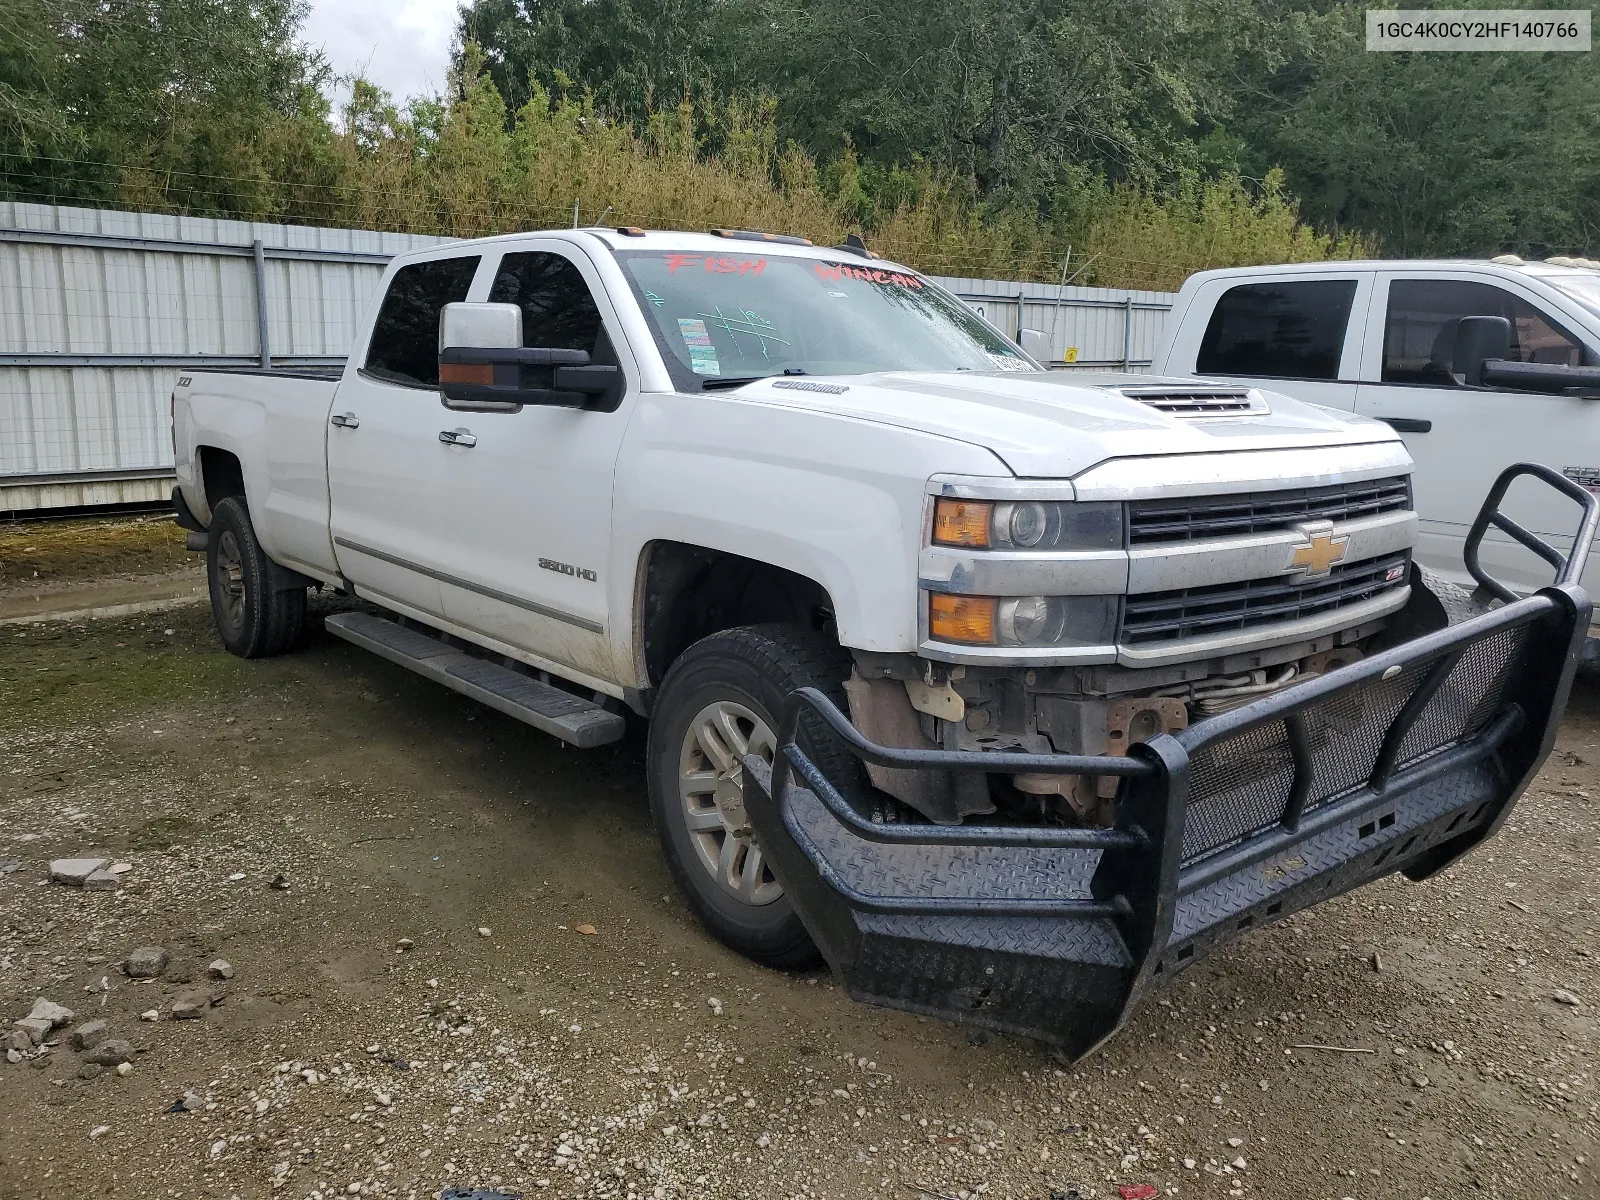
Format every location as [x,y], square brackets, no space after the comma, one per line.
[1419,333]
[405,340]
[558,310]
[1289,330]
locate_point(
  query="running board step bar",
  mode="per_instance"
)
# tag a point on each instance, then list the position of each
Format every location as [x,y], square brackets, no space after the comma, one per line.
[583,723]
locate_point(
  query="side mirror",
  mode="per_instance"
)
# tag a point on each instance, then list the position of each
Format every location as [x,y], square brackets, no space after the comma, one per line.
[1035,344]
[1477,340]
[484,367]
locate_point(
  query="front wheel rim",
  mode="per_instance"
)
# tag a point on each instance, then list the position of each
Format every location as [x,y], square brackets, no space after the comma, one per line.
[710,782]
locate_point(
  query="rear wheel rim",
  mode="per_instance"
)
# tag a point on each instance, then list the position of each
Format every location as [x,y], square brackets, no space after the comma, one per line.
[710,781]
[230,579]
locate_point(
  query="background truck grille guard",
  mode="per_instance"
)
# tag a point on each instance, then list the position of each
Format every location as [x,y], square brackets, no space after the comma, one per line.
[1404,761]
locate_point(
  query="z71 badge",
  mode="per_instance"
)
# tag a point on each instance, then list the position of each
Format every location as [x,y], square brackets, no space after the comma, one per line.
[561,568]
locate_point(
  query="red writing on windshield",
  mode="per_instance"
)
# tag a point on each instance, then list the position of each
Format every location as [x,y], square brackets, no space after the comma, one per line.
[717,266]
[834,271]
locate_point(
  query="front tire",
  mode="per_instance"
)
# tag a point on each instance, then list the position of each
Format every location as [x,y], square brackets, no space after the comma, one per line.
[254,619]
[724,698]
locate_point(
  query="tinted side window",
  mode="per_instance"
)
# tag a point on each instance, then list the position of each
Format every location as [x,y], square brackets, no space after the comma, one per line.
[1278,330]
[558,311]
[405,340]
[1419,330]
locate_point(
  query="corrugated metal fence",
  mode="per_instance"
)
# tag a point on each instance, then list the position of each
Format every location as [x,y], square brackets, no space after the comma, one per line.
[99,310]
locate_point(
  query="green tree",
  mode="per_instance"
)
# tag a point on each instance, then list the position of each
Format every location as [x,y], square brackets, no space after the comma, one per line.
[1436,153]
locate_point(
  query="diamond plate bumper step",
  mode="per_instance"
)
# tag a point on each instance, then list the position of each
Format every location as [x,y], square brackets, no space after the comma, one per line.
[571,718]
[1403,761]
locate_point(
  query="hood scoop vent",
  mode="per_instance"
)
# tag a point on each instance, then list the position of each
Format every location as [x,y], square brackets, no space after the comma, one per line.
[1198,403]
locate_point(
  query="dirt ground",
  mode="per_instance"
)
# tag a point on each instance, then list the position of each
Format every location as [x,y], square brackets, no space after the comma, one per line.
[554,1022]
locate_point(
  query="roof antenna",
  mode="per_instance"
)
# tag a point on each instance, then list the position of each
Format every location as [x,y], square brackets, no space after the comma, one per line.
[855,244]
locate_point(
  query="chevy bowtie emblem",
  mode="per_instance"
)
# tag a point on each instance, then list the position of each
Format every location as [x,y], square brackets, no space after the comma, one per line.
[1320,550]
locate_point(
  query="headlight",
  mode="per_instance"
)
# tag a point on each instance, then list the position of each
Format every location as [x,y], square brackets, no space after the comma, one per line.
[1022,620]
[1027,524]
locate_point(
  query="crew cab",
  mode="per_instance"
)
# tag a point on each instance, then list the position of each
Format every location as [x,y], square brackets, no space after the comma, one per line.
[1477,363]
[701,479]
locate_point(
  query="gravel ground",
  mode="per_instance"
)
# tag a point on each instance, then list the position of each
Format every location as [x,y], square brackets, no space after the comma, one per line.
[458,960]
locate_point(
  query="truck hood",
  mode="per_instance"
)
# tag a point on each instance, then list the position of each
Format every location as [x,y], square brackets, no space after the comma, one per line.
[1054,425]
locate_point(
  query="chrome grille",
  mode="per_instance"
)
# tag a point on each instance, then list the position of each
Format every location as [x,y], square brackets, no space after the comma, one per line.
[1223,608]
[1193,518]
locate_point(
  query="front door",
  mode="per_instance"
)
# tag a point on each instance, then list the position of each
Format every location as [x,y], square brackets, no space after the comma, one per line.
[530,491]
[1462,437]
[384,458]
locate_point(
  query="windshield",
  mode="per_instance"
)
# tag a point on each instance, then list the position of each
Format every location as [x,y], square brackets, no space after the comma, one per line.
[742,316]
[1585,289]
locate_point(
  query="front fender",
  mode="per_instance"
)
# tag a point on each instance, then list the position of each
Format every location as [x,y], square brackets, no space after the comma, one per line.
[836,499]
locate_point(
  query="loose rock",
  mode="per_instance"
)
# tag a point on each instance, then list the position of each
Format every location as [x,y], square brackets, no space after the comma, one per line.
[125,1068]
[221,969]
[1562,996]
[190,1005]
[17,1040]
[147,962]
[88,1035]
[73,871]
[111,1053]
[91,1071]
[35,1028]
[102,881]
[49,1010]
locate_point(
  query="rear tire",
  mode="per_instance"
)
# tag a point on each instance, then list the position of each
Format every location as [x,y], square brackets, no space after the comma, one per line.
[725,690]
[253,619]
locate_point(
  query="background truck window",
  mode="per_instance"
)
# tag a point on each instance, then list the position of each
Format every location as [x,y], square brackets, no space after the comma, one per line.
[558,310]
[405,341]
[1419,332]
[1291,330]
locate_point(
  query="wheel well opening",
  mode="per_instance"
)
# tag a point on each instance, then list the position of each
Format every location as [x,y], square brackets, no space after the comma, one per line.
[221,474]
[691,592]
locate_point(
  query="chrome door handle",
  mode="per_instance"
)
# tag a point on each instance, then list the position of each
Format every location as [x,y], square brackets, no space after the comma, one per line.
[457,437]
[345,420]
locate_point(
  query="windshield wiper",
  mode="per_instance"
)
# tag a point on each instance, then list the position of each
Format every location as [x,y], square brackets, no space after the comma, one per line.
[733,381]
[729,381]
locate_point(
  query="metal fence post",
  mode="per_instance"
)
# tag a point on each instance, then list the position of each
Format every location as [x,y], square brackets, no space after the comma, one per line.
[260,255]
[1127,331]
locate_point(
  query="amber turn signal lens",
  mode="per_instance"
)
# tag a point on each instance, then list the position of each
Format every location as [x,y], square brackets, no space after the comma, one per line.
[961,522]
[480,373]
[969,619]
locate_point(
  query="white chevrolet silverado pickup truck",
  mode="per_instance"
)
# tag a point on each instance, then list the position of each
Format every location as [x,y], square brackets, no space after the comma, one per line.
[713,480]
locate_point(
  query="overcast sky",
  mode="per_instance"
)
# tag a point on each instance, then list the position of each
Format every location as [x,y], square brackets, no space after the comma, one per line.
[401,45]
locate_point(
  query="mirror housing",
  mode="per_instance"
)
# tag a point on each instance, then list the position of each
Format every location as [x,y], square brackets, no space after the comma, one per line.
[1479,339]
[1542,377]
[1035,344]
[484,367]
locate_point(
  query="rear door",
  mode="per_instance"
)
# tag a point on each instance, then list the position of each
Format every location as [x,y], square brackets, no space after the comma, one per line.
[384,458]
[1301,337]
[528,493]
[1460,437]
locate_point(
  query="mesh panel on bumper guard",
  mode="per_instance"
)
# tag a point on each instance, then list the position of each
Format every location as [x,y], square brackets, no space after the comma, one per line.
[1403,761]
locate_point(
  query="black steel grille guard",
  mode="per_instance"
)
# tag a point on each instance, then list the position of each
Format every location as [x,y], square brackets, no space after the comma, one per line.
[1404,761]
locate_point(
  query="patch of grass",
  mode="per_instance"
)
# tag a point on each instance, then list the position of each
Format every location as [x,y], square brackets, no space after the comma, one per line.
[56,671]
[92,548]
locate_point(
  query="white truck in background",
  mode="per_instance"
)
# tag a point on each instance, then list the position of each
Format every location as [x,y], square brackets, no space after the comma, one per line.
[590,473]
[1406,342]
